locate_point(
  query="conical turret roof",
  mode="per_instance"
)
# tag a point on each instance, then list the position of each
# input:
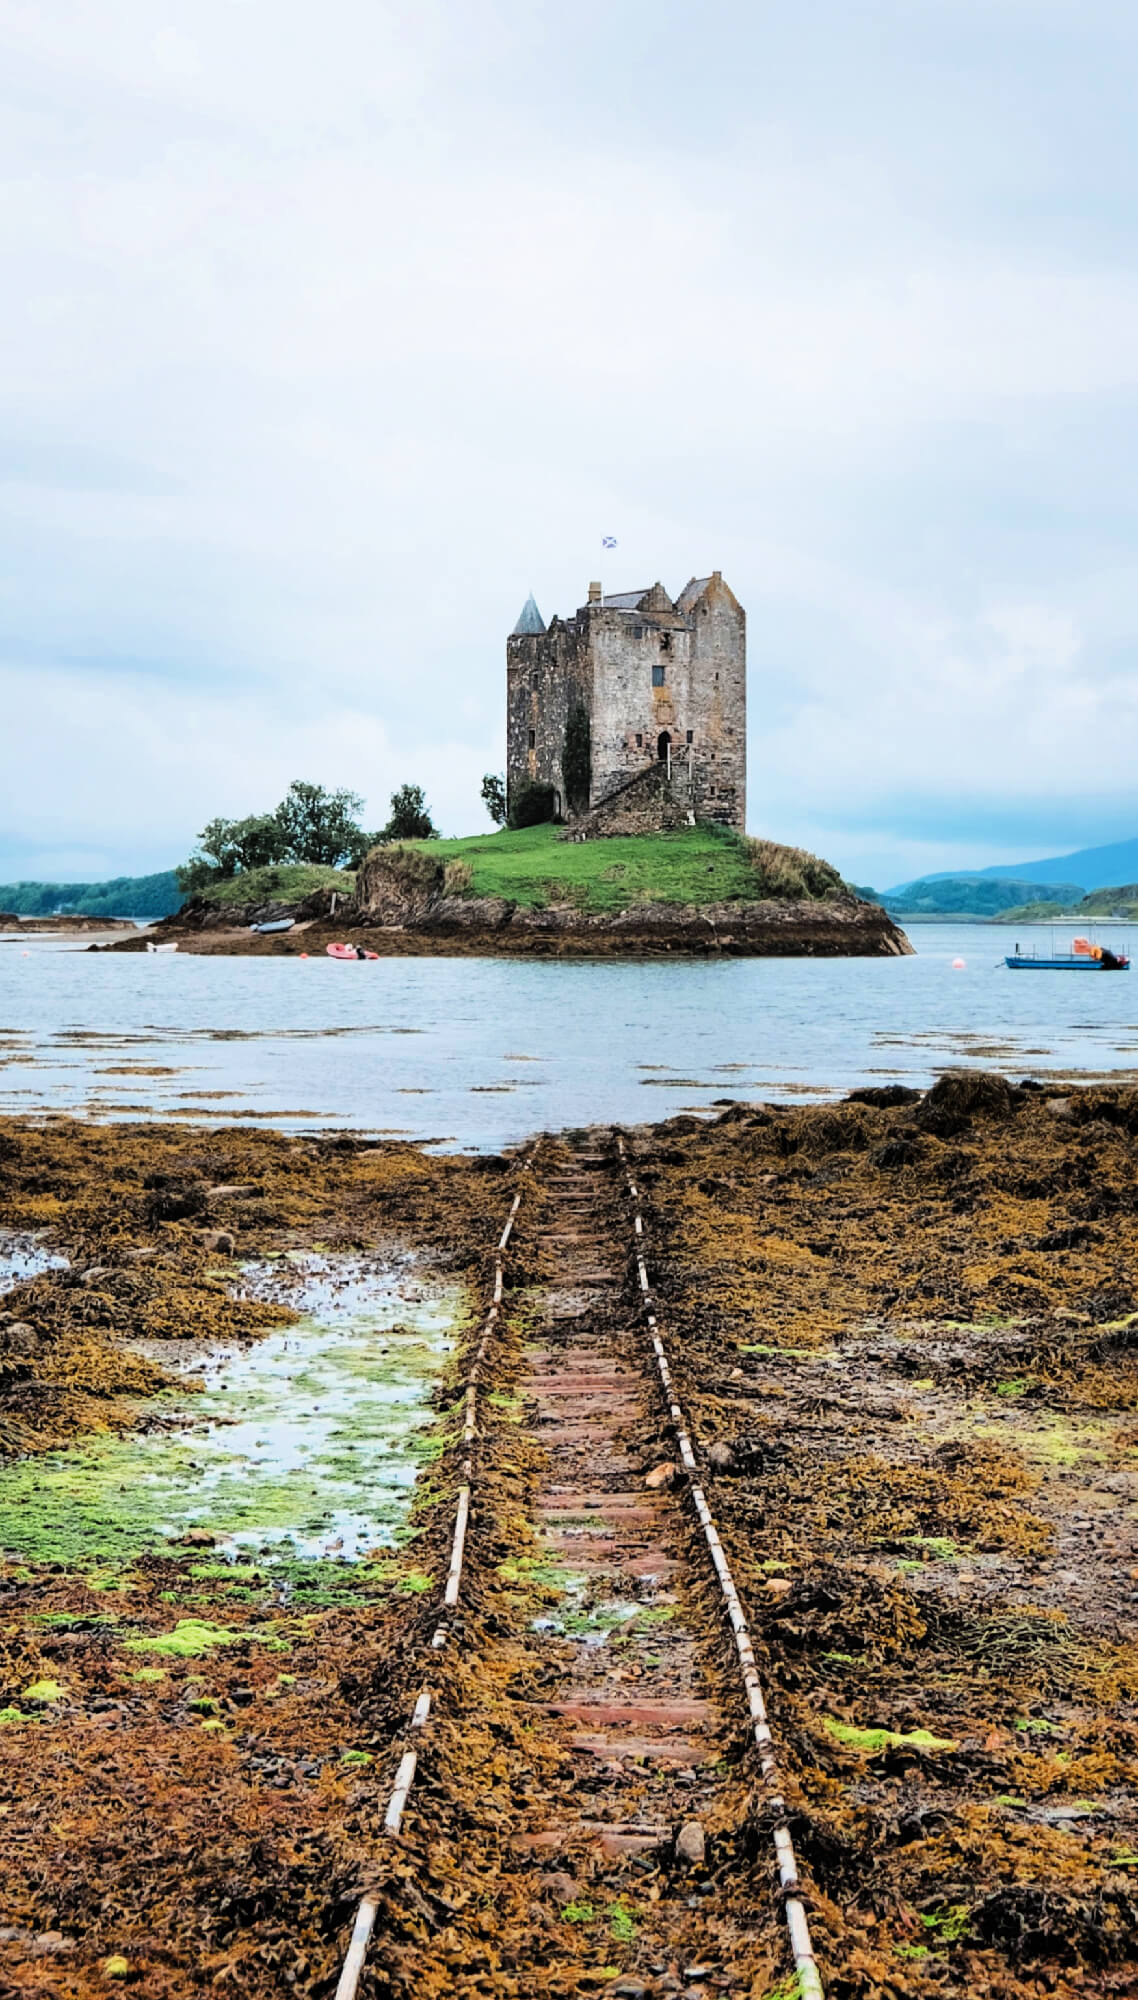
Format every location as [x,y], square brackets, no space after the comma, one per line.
[531,619]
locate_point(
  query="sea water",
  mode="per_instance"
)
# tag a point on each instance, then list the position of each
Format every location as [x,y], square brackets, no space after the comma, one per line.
[477,1053]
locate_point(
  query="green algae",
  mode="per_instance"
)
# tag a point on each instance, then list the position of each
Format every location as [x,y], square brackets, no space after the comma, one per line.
[940,1547]
[304,1448]
[874,1741]
[356,1757]
[415,1582]
[191,1637]
[11,1715]
[149,1676]
[43,1693]
[949,1924]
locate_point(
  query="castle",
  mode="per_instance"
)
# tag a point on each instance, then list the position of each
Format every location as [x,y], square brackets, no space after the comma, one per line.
[662,688]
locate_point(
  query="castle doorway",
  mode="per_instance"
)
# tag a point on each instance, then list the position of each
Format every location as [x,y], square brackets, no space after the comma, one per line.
[663,748]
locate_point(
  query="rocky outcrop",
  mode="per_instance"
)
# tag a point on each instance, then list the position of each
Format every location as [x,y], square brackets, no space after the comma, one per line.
[404,889]
[398,885]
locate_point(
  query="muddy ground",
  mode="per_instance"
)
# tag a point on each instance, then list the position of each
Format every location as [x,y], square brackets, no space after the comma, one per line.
[908,1331]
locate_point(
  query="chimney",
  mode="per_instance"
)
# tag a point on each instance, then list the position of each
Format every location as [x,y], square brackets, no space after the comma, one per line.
[594,593]
[717,576]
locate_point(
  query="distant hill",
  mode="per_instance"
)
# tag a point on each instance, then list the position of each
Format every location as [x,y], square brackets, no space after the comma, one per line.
[1120,901]
[126,896]
[972,896]
[1088,868]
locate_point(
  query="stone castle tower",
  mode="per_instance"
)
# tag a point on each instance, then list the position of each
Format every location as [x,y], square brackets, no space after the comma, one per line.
[664,688]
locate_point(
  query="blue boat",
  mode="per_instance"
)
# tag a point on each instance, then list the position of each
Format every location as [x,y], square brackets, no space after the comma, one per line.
[1085,957]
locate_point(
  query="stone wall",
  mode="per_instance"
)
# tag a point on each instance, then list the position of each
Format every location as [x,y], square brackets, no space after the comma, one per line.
[545,673]
[694,704]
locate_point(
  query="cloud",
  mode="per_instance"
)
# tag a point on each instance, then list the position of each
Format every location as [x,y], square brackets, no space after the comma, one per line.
[340,331]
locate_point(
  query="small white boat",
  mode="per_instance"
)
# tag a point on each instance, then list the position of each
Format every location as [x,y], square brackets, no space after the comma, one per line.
[161,947]
[278,924]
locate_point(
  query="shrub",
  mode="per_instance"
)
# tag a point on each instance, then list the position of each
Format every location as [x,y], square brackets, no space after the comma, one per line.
[458,878]
[790,874]
[534,805]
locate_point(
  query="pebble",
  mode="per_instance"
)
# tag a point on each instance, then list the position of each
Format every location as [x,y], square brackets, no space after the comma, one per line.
[691,1844]
[628,1989]
[660,1475]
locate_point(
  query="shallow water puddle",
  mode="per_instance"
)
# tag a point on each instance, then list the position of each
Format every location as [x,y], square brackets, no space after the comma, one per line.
[304,1446]
[24,1257]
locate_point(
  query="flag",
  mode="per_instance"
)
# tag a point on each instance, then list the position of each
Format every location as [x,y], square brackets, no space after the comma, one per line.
[608,541]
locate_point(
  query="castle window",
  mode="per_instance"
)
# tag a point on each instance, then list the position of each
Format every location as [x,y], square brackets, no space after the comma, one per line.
[533,739]
[665,642]
[639,741]
[638,631]
[657,677]
[689,735]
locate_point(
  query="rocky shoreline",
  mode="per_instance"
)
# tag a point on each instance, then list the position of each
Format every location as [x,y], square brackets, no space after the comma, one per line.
[405,925]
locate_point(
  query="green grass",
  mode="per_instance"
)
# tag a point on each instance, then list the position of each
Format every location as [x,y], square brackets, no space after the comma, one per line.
[532,866]
[283,882]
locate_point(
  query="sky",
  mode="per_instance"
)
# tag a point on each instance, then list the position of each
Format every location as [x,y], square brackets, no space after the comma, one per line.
[330,332]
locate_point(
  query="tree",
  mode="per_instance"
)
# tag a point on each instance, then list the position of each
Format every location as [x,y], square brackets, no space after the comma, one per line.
[410,819]
[194,875]
[258,840]
[320,826]
[494,797]
[577,759]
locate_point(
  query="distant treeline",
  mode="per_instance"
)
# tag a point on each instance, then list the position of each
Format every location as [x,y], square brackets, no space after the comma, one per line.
[126,896]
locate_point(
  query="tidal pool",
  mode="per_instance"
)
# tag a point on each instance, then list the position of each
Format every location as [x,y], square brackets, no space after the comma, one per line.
[301,1448]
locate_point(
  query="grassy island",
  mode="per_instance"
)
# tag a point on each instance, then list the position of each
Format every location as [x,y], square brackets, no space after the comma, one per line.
[534,867]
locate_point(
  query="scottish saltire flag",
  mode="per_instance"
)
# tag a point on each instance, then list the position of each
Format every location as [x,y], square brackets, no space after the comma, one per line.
[608,541]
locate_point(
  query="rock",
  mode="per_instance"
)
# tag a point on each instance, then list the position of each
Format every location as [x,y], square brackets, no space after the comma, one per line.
[720,1458]
[660,1475]
[698,1971]
[691,1844]
[20,1337]
[147,1254]
[198,1538]
[777,1586]
[628,1989]
[220,1240]
[96,1274]
[1059,1107]
[173,1198]
[560,1885]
